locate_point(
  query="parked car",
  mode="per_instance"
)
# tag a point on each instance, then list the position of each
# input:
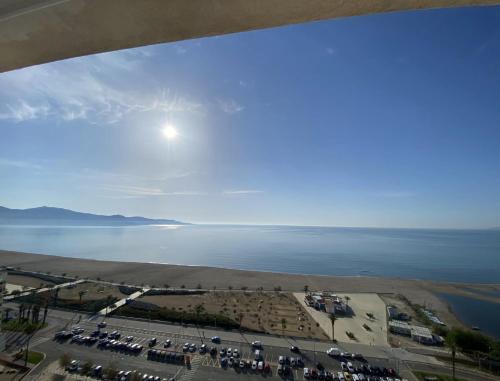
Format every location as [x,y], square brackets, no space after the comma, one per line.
[152,342]
[257,344]
[215,339]
[307,373]
[295,349]
[254,364]
[167,343]
[260,365]
[334,352]
[102,324]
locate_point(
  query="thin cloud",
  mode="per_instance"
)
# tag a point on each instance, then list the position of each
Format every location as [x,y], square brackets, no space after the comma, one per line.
[139,191]
[230,106]
[85,88]
[242,191]
[330,51]
[396,194]
[19,164]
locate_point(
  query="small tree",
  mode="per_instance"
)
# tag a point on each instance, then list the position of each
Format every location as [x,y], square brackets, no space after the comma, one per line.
[110,371]
[230,287]
[64,360]
[199,286]
[306,288]
[87,367]
[183,286]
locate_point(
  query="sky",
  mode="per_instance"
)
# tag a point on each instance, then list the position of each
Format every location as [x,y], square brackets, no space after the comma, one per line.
[386,120]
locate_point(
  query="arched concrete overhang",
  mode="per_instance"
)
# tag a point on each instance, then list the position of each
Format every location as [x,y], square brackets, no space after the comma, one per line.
[38,31]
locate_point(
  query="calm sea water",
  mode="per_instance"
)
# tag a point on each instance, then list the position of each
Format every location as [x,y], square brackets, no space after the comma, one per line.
[473,312]
[448,255]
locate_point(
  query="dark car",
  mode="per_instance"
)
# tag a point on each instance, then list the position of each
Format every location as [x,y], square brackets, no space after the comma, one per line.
[295,349]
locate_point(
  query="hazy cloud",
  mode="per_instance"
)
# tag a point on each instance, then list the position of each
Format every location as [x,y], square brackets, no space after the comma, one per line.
[242,191]
[396,194]
[230,106]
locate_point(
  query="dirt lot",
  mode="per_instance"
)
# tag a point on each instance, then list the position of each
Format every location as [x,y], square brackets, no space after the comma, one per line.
[93,291]
[360,304]
[27,281]
[260,311]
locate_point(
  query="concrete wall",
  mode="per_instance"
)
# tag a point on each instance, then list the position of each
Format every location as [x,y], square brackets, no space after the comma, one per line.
[39,31]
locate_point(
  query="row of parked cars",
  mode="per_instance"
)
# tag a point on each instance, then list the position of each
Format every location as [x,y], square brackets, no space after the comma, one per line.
[165,356]
[97,371]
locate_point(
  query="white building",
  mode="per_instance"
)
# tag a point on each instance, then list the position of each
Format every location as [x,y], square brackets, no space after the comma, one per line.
[419,334]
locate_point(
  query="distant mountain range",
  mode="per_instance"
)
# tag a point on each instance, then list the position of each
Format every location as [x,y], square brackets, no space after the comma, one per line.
[58,216]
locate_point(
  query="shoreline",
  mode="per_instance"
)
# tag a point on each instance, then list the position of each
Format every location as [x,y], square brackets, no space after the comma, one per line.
[423,292]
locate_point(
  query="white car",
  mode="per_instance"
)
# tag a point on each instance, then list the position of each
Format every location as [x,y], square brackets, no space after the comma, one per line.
[254,364]
[343,365]
[355,377]
[361,377]
[229,351]
[260,366]
[236,353]
[340,376]
[350,368]
[307,373]
[333,352]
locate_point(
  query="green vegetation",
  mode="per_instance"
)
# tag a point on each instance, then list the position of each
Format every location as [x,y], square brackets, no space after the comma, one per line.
[64,360]
[438,377]
[127,290]
[44,277]
[33,357]
[87,305]
[22,326]
[200,317]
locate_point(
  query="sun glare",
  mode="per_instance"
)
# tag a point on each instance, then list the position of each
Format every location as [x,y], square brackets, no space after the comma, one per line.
[170,133]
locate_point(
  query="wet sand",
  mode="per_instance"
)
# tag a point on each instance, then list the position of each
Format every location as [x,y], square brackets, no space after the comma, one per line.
[417,291]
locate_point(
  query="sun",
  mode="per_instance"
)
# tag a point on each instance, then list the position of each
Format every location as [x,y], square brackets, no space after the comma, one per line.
[170,133]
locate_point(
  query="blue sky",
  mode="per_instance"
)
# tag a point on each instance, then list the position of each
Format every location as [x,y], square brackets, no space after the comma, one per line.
[386,120]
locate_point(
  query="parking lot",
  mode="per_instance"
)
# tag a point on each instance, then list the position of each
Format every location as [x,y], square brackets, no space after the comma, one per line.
[199,364]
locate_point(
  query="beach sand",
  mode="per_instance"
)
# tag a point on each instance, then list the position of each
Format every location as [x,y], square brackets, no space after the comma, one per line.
[136,273]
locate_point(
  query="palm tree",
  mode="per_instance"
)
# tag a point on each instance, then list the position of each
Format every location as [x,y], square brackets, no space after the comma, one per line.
[451,342]
[332,320]
[56,296]
[347,298]
[80,295]
[283,325]
[241,315]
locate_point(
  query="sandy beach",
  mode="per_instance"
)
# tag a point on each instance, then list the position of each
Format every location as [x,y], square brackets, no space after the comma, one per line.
[417,291]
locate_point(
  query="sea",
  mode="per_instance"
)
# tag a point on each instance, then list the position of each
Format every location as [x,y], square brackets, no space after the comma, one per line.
[431,254]
[470,256]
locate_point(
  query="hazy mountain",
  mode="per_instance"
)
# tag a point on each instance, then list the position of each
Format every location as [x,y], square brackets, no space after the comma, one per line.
[49,215]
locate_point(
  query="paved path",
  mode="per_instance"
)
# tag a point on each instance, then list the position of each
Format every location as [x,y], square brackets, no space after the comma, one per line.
[44,289]
[106,311]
